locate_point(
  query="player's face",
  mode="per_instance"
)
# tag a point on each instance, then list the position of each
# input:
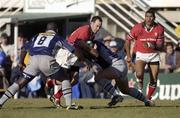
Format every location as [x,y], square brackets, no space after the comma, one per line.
[169,49]
[149,19]
[95,26]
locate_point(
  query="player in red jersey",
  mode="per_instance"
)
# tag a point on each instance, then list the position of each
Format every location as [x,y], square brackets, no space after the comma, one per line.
[149,40]
[83,34]
[79,40]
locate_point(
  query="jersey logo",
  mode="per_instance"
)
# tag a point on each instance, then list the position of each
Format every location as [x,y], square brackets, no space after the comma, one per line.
[43,41]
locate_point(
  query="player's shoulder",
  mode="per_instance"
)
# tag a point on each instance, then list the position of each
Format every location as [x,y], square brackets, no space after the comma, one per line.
[84,28]
[160,26]
[47,33]
[137,25]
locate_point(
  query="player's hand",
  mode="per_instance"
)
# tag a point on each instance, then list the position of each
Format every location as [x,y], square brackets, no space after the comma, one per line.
[149,45]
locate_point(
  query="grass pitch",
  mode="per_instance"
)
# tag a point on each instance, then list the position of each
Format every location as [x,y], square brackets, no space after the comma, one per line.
[130,108]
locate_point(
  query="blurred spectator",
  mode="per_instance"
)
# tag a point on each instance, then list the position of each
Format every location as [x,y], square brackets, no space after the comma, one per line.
[85,83]
[16,69]
[33,86]
[107,39]
[8,50]
[171,57]
[177,57]
[5,45]
[3,81]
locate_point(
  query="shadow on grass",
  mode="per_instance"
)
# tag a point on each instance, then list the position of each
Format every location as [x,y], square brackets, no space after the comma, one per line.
[96,107]
[16,108]
[135,106]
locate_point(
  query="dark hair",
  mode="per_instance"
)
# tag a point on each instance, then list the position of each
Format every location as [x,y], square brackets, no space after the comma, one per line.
[4,35]
[169,44]
[94,18]
[151,11]
[52,26]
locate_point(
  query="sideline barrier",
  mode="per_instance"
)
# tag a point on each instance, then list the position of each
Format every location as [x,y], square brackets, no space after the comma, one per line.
[168,86]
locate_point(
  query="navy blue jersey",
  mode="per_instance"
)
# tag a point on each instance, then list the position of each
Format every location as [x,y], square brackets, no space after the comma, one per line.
[48,43]
[105,54]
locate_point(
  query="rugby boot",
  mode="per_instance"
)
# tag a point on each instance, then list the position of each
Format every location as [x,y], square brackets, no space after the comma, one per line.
[149,103]
[56,101]
[115,100]
[74,107]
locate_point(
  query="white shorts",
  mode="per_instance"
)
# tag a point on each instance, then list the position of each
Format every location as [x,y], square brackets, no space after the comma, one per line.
[148,57]
[65,58]
[41,63]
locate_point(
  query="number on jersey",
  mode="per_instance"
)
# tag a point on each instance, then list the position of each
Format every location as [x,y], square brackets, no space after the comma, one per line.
[43,41]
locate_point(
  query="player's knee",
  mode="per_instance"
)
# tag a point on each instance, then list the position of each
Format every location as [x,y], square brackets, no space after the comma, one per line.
[139,75]
[22,81]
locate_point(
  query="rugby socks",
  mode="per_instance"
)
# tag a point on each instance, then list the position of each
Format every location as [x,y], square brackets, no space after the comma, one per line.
[50,83]
[9,93]
[151,90]
[136,94]
[58,94]
[108,87]
[67,92]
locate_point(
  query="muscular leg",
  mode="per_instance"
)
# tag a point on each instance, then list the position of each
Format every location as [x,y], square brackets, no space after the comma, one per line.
[122,83]
[139,72]
[153,72]
[62,76]
[103,78]
[20,83]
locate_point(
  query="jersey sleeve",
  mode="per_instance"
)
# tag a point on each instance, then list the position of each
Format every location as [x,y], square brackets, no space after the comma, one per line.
[133,32]
[83,35]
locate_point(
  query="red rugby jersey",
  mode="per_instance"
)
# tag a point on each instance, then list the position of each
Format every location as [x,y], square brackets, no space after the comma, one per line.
[139,32]
[82,33]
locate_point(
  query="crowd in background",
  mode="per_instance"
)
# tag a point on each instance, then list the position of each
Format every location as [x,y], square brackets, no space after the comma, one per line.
[86,87]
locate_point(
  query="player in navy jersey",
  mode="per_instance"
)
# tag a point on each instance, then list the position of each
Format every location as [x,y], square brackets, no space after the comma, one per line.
[43,48]
[116,68]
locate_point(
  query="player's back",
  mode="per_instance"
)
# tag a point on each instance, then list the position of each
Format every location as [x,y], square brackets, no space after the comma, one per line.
[43,44]
[106,54]
[47,44]
[82,33]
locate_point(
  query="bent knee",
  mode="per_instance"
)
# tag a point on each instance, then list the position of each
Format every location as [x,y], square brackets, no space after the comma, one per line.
[139,74]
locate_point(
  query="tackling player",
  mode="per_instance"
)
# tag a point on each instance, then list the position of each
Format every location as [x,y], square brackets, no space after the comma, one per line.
[43,48]
[116,69]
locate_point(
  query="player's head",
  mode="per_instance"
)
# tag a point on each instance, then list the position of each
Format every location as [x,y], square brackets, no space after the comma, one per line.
[149,17]
[4,38]
[52,26]
[96,23]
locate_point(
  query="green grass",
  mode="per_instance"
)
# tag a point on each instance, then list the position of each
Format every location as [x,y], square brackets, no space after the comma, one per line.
[130,108]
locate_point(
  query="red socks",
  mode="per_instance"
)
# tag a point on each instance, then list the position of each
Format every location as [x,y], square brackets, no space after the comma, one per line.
[58,94]
[50,83]
[150,92]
